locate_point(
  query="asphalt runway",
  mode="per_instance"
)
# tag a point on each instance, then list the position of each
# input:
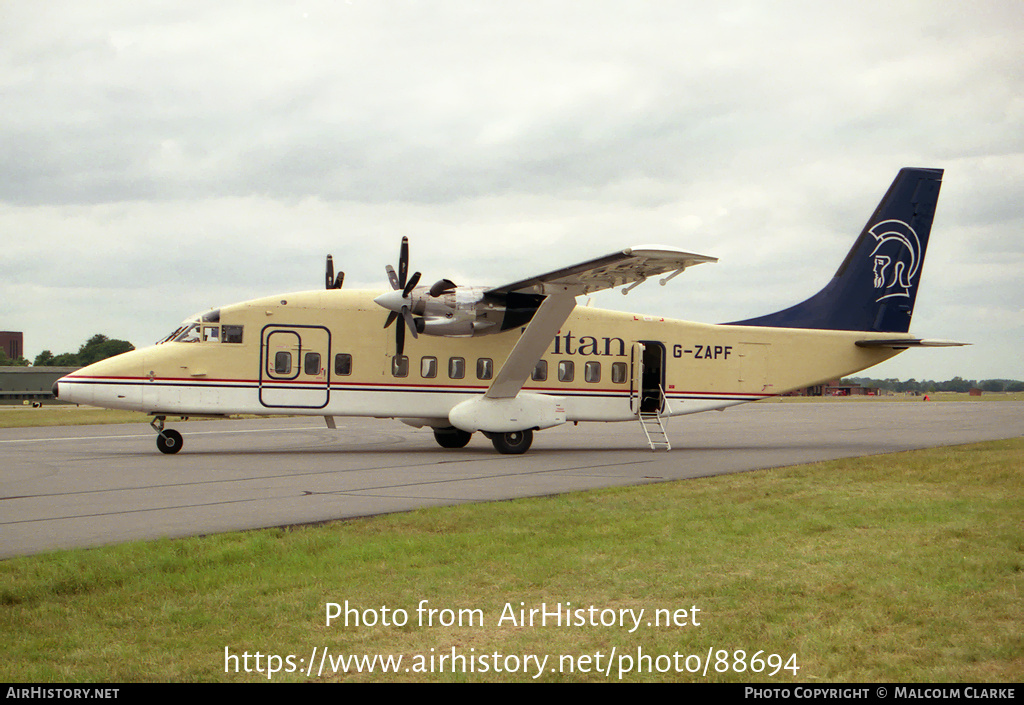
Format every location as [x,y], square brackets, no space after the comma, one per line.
[73,486]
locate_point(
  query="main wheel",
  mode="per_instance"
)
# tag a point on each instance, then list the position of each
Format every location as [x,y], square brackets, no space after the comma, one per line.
[452,437]
[512,443]
[169,441]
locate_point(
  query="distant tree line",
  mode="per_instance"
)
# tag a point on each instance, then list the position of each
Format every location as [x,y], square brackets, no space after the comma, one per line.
[957,384]
[99,347]
[8,362]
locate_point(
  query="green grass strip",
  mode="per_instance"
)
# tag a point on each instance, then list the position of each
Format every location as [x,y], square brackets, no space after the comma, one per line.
[905,567]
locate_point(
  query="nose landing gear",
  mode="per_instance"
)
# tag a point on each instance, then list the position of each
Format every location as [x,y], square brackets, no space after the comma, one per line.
[167,441]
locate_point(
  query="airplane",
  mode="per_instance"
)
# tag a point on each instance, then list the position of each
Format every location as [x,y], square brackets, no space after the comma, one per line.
[522,357]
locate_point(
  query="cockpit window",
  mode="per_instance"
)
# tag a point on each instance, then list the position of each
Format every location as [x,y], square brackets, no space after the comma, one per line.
[232,334]
[188,334]
[172,336]
[203,327]
[192,330]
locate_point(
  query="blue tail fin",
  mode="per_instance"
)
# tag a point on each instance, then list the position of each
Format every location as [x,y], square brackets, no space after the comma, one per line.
[875,287]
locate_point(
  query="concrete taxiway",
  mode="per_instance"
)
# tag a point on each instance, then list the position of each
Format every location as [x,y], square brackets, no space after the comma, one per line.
[74,486]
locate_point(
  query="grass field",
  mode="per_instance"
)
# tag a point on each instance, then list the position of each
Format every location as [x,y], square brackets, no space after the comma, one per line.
[65,415]
[906,567]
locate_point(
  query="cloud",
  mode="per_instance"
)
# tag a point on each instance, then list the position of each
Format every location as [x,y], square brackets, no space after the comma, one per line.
[179,153]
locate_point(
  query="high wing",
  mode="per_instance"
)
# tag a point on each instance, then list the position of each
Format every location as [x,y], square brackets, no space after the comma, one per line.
[631,266]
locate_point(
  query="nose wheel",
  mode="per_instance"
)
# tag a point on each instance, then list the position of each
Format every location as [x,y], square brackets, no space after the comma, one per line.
[168,441]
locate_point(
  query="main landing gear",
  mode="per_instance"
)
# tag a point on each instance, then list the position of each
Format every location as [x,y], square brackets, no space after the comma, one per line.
[452,437]
[512,443]
[168,441]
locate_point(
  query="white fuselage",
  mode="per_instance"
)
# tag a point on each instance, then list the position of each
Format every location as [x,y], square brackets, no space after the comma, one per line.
[326,353]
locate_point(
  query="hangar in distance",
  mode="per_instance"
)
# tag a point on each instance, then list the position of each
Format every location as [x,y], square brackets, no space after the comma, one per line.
[510,360]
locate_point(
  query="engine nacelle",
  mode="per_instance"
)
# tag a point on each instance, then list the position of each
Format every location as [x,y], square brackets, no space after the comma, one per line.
[463,311]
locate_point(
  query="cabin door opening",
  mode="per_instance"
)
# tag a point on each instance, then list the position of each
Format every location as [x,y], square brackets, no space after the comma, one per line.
[647,382]
[295,367]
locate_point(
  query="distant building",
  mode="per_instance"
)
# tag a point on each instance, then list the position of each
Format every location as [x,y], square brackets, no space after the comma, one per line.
[836,388]
[21,384]
[12,343]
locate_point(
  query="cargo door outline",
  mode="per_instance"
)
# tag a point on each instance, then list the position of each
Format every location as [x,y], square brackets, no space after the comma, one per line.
[294,386]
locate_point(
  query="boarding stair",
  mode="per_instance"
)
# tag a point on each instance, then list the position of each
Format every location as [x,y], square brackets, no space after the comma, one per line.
[653,425]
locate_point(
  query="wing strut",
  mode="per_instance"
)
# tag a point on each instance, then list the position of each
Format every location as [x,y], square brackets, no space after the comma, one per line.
[534,342]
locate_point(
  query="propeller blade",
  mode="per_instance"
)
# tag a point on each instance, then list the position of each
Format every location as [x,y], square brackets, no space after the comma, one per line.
[392,277]
[400,340]
[340,280]
[413,281]
[441,287]
[409,320]
[330,272]
[391,318]
[403,263]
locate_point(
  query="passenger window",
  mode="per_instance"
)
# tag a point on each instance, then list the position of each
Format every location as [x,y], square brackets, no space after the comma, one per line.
[428,367]
[540,372]
[283,363]
[456,367]
[400,366]
[311,364]
[232,334]
[592,372]
[343,364]
[484,368]
[566,371]
[618,373]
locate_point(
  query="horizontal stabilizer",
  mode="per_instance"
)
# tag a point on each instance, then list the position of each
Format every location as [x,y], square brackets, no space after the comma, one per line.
[904,343]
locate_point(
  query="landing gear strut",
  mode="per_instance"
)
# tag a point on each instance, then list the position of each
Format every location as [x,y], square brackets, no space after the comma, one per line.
[168,441]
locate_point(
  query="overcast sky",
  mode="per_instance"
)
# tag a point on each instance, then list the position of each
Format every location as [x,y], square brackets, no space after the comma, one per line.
[157,159]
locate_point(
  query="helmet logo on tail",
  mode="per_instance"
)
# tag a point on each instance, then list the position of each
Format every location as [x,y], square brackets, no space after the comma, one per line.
[896,258]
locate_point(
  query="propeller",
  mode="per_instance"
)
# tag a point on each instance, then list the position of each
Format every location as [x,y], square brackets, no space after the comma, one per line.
[400,301]
[333,283]
[402,282]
